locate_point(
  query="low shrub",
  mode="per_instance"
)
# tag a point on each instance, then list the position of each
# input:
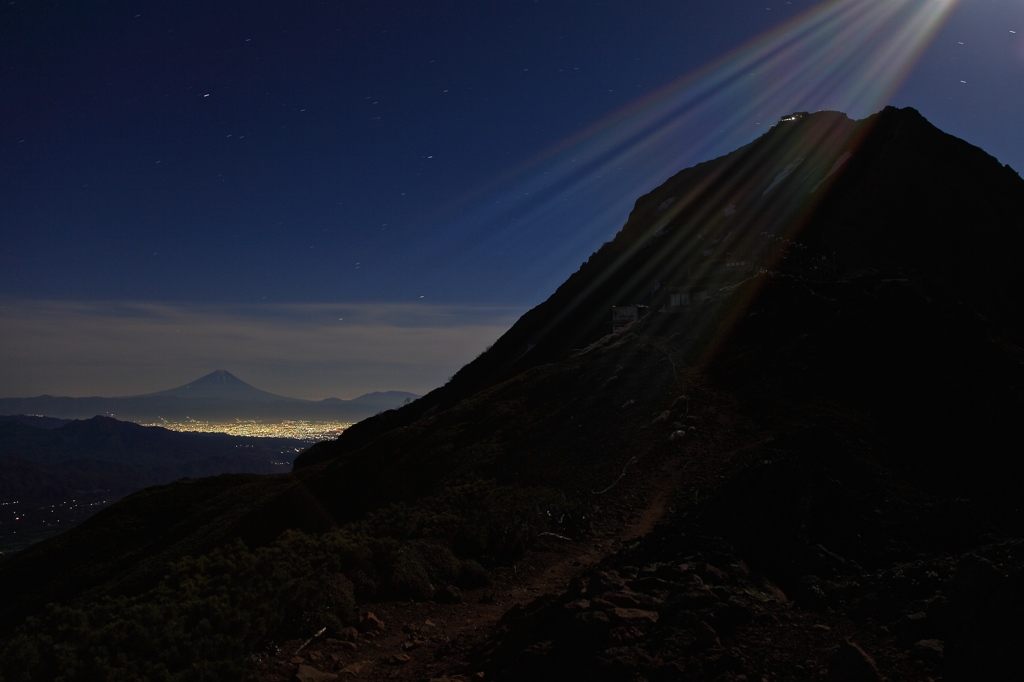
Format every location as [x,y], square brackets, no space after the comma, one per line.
[208,613]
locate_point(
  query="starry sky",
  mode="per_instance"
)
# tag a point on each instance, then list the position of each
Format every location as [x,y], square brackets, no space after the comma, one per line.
[333,197]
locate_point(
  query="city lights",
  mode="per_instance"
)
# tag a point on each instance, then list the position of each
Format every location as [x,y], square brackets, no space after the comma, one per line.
[298,429]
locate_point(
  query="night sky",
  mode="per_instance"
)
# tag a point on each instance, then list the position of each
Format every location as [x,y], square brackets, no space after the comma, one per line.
[330,198]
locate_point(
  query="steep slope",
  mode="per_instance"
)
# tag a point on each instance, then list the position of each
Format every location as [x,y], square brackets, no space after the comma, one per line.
[818,195]
[821,408]
[852,476]
[826,484]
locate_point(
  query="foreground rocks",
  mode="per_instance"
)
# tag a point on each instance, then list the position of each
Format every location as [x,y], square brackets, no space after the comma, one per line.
[702,614]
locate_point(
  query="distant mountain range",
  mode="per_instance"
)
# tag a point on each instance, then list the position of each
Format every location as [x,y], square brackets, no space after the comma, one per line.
[144,455]
[218,395]
[55,473]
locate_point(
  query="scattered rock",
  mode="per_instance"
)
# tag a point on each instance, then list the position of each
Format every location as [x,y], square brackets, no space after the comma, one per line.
[713,575]
[348,634]
[628,599]
[307,673]
[604,581]
[400,659]
[448,594]
[410,644]
[694,598]
[929,650]
[595,625]
[625,633]
[624,658]
[850,663]
[369,623]
[357,668]
[913,626]
[730,615]
[635,616]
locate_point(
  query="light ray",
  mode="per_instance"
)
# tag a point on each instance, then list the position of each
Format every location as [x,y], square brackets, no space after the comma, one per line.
[846,55]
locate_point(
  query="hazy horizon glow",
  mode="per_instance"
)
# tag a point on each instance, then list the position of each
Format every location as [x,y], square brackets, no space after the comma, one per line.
[131,348]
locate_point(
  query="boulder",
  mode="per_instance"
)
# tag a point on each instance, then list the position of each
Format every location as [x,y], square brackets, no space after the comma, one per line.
[850,663]
[307,673]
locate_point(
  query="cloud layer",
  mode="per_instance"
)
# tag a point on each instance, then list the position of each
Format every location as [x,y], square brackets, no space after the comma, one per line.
[304,350]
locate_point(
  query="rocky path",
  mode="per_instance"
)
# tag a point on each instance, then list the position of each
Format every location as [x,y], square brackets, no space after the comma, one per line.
[430,640]
[657,591]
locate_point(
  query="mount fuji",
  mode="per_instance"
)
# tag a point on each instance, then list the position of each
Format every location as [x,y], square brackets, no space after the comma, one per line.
[222,385]
[217,395]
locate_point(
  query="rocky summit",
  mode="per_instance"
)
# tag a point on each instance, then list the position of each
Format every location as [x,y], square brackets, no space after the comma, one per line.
[770,431]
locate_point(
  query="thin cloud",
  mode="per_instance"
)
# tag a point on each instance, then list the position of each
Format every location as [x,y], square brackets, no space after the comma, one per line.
[303,350]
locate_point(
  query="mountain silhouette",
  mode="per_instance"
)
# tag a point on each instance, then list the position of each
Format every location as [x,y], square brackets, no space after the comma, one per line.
[801,462]
[218,395]
[221,385]
[819,196]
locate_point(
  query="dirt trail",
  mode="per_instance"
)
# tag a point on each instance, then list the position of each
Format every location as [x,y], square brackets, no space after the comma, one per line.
[424,640]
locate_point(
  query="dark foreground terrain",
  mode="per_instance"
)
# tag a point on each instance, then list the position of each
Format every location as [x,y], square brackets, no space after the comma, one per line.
[801,464]
[794,522]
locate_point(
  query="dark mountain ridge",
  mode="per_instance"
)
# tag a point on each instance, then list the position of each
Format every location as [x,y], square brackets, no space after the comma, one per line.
[88,464]
[104,438]
[35,420]
[820,411]
[889,196]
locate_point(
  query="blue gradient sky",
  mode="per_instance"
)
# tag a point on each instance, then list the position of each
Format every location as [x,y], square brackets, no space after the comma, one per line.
[328,198]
